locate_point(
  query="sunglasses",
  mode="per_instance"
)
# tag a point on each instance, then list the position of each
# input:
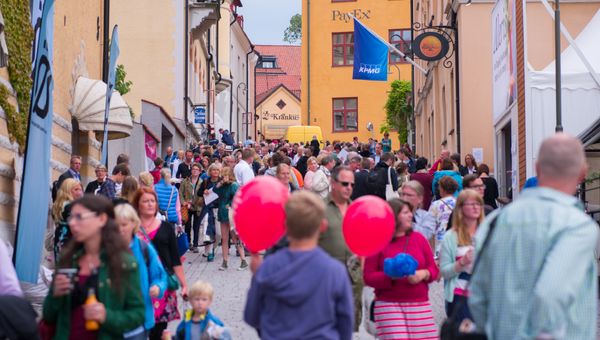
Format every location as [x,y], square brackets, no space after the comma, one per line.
[347,184]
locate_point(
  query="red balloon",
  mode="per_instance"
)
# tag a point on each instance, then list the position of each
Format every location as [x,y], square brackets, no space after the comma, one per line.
[259,212]
[369,225]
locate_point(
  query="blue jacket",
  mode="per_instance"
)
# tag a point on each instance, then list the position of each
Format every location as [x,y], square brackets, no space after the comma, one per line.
[301,295]
[152,273]
[439,174]
[163,191]
[184,330]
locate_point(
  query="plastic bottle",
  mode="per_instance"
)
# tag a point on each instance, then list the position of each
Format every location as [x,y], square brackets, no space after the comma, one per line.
[91,325]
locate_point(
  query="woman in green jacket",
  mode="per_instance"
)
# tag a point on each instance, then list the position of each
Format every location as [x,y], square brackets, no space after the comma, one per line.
[226,190]
[456,258]
[102,269]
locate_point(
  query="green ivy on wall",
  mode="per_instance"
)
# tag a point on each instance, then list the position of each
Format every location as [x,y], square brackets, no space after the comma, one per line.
[19,37]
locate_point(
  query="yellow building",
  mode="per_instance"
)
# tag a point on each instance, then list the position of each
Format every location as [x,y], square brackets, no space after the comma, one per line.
[278,109]
[331,99]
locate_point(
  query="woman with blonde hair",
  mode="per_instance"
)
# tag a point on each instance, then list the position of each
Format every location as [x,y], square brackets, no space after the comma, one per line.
[226,189]
[456,262]
[424,223]
[313,166]
[70,190]
[146,180]
[152,274]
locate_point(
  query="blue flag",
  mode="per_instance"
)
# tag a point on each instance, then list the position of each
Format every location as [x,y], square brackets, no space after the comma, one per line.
[112,69]
[370,54]
[33,204]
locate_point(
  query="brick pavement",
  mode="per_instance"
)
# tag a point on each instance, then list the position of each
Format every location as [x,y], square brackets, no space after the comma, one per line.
[232,285]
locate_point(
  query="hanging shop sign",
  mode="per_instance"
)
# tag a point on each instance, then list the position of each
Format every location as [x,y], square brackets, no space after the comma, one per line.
[431,46]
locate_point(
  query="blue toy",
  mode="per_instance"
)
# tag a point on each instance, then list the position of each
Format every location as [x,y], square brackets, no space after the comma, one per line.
[401,265]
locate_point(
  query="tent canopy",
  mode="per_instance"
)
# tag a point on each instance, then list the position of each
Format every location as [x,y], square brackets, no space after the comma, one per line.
[580,94]
[89,102]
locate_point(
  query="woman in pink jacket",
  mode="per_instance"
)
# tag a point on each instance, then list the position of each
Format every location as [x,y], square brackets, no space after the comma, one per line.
[402,308]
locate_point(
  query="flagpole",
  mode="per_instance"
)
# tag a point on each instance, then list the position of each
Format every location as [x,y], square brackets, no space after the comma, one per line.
[392,47]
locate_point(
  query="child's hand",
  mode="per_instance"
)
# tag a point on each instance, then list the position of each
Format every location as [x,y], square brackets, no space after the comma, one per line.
[154,291]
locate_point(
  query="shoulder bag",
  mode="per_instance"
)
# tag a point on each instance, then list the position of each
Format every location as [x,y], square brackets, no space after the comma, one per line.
[390,193]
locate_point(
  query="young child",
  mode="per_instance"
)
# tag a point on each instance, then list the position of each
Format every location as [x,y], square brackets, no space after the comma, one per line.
[199,322]
[300,292]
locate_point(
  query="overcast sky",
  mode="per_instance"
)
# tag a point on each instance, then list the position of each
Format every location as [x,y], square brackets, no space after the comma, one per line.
[265,20]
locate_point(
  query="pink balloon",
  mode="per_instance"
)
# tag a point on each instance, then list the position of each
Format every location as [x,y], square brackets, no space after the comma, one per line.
[259,214]
[368,226]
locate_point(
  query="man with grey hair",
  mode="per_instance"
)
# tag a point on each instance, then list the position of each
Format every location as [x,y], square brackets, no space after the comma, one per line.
[537,276]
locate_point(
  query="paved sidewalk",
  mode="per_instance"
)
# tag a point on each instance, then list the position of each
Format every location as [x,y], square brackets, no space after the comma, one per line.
[232,285]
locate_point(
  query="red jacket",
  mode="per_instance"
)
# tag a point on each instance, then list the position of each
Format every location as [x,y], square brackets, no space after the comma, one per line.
[400,290]
[156,174]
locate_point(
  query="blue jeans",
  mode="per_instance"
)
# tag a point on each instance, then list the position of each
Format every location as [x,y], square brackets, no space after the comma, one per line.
[210,229]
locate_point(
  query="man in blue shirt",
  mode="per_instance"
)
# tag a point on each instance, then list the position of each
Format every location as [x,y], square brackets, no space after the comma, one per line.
[72,172]
[537,276]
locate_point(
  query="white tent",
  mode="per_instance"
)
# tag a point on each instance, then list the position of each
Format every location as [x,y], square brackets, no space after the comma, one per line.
[580,94]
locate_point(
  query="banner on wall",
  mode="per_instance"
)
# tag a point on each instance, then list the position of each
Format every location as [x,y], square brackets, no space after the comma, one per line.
[504,56]
[31,228]
[150,146]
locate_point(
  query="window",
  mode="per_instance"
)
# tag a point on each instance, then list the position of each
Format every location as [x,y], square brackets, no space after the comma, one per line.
[345,114]
[268,62]
[343,49]
[401,38]
[281,104]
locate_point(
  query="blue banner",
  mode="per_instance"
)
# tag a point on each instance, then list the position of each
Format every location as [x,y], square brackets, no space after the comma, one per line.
[370,54]
[33,204]
[112,69]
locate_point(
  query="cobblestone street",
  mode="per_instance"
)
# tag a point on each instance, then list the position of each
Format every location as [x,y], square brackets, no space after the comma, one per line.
[232,285]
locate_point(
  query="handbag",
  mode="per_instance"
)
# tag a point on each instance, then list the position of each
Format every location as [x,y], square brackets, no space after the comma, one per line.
[183,244]
[185,214]
[390,193]
[172,282]
[451,329]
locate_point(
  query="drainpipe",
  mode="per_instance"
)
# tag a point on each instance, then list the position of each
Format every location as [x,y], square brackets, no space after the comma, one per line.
[219,76]
[412,83]
[308,60]
[248,91]
[186,62]
[255,121]
[105,46]
[231,104]
[208,89]
[457,81]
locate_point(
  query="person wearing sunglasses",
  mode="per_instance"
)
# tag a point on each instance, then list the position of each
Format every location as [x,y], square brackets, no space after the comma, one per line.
[332,240]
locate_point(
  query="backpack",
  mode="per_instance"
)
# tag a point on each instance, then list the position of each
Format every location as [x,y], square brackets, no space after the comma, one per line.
[376,182]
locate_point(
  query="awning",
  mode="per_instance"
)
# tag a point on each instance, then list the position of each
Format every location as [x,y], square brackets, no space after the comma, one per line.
[89,101]
[3,47]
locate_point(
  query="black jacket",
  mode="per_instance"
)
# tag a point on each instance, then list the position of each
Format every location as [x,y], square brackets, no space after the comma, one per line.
[360,184]
[379,179]
[302,165]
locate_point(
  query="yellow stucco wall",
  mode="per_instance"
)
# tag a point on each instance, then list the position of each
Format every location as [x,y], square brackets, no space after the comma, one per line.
[77,51]
[327,82]
[273,120]
[147,32]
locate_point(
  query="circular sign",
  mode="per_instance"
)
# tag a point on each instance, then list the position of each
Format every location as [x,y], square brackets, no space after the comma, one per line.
[431,46]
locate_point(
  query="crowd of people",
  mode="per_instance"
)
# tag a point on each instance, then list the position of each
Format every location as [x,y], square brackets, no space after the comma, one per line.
[116,246]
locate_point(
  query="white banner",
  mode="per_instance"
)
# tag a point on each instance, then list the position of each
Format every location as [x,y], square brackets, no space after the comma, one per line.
[504,56]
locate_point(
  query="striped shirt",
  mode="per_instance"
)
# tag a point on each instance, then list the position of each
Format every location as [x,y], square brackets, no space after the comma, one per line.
[538,273]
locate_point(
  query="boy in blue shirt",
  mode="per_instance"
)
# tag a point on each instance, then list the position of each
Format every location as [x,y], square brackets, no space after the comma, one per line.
[300,292]
[199,322]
